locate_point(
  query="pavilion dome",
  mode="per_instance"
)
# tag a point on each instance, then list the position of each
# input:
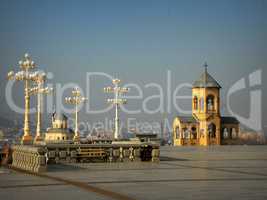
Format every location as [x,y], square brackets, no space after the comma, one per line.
[60,116]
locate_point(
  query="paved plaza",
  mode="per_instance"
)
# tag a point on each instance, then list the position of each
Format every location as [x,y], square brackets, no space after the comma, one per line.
[218,172]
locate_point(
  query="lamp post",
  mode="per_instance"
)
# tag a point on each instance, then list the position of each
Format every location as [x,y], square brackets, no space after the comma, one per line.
[76,99]
[117,101]
[26,65]
[39,90]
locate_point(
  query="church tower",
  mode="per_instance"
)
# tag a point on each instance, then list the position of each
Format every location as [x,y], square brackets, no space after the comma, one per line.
[206,108]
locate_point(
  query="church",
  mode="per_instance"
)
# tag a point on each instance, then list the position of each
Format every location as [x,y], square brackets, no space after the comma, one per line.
[205,126]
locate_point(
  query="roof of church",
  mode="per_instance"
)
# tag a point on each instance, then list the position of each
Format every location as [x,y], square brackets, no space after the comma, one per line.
[229,120]
[187,119]
[206,80]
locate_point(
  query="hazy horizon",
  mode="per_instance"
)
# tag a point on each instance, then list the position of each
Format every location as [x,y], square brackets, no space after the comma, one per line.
[138,42]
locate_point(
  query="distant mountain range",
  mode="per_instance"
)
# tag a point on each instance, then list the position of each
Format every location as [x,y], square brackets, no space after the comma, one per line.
[6,122]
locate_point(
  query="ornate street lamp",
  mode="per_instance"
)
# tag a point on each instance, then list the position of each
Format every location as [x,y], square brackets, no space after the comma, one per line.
[76,99]
[117,101]
[39,90]
[26,65]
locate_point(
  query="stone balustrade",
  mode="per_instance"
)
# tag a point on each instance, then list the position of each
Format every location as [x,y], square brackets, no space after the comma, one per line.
[36,158]
[124,154]
[29,158]
[57,153]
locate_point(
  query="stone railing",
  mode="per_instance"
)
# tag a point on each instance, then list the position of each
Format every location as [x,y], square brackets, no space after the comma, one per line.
[36,158]
[123,154]
[119,152]
[133,153]
[29,158]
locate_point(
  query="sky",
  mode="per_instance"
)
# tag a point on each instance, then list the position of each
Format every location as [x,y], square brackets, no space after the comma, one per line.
[138,42]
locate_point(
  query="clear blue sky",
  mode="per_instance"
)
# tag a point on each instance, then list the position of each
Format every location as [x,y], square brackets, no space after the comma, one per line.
[137,40]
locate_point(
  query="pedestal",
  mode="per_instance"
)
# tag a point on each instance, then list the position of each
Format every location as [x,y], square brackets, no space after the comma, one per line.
[76,139]
[26,139]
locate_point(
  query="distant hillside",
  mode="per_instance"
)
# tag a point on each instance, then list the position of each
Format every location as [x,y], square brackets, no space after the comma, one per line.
[6,123]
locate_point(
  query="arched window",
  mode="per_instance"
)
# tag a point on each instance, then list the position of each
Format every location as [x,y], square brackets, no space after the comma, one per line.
[177,133]
[225,133]
[201,103]
[186,133]
[194,132]
[201,133]
[234,133]
[210,103]
[195,103]
[212,130]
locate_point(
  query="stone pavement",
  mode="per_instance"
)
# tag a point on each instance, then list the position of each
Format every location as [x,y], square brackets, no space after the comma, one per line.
[219,172]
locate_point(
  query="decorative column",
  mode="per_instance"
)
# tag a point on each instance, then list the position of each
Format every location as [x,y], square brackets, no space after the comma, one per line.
[39,90]
[75,100]
[26,65]
[117,101]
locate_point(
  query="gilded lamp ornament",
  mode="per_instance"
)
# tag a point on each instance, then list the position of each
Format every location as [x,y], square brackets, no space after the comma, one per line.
[117,101]
[26,75]
[39,90]
[75,100]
